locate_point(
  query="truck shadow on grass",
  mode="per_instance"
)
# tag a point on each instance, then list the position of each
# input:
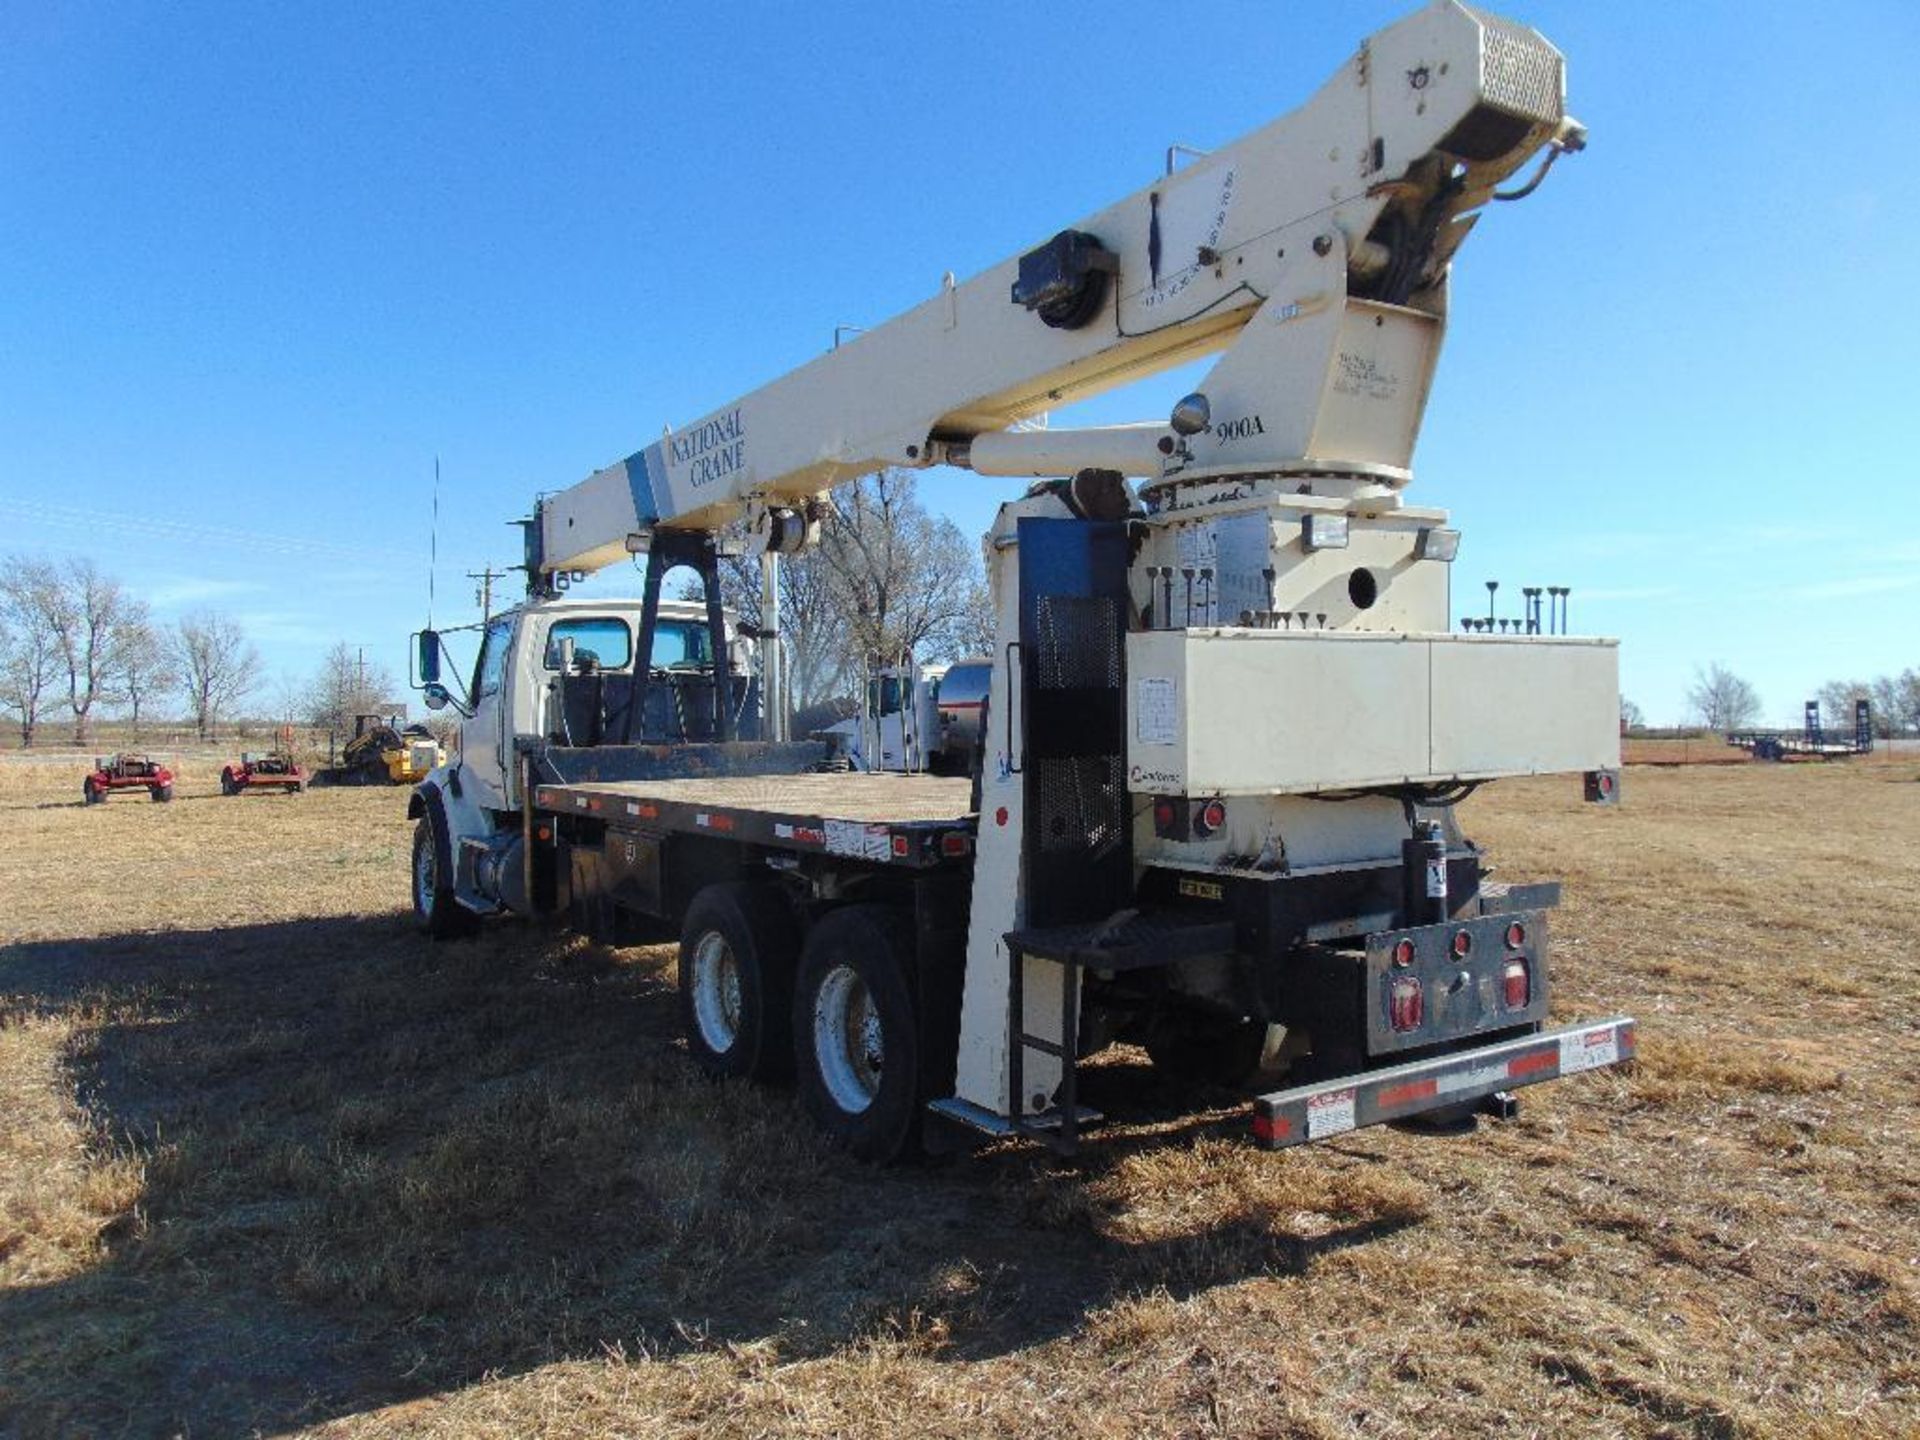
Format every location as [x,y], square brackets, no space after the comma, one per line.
[374,1169]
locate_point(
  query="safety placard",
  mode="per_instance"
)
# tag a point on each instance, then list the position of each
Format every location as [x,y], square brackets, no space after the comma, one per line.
[1330,1114]
[1588,1049]
[1156,709]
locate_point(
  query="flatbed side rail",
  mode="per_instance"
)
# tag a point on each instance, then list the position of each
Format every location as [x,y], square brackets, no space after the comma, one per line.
[897,842]
[1352,1102]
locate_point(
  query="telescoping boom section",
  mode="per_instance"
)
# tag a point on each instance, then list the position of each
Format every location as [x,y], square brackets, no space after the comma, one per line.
[1313,251]
[1208,804]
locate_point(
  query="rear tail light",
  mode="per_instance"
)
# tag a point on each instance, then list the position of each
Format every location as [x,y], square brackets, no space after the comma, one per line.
[1462,944]
[1166,819]
[1517,983]
[1403,954]
[1406,1004]
[1516,935]
[1209,818]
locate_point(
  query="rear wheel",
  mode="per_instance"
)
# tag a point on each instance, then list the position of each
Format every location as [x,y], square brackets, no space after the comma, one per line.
[737,952]
[435,909]
[856,1040]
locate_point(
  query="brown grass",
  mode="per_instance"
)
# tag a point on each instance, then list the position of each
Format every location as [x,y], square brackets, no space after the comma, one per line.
[269,1163]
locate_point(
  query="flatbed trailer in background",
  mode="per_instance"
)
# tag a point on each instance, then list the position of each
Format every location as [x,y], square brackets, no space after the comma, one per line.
[1814,741]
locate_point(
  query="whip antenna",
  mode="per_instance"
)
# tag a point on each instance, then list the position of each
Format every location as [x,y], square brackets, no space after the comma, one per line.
[433,541]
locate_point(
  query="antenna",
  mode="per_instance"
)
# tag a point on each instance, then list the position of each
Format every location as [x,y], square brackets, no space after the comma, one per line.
[433,542]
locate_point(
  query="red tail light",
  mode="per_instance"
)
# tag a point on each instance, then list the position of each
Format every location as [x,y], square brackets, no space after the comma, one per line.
[1518,984]
[1462,944]
[1209,818]
[1406,1004]
[1516,935]
[1403,954]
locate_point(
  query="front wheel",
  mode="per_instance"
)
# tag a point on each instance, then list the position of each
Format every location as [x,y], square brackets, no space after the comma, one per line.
[228,785]
[89,792]
[856,1039]
[435,910]
[162,793]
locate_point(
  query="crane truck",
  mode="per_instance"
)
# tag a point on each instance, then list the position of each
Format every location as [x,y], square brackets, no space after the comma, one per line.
[1227,721]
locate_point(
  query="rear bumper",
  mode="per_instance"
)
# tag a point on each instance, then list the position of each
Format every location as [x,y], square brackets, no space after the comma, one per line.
[1333,1107]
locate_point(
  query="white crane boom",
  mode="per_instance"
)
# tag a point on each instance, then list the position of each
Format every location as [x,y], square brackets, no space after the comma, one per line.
[1314,251]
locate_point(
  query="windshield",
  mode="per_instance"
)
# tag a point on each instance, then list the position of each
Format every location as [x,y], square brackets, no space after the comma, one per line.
[681,642]
[605,637]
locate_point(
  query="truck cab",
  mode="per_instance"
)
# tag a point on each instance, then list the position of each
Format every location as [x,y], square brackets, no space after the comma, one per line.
[915,719]
[562,672]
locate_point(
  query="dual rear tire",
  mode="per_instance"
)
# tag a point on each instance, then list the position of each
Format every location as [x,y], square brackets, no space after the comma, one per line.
[836,1014]
[856,1037]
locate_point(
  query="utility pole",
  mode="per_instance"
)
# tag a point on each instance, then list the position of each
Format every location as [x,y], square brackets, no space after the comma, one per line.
[484,595]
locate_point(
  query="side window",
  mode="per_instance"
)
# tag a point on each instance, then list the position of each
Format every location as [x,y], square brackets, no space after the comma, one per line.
[605,637]
[492,667]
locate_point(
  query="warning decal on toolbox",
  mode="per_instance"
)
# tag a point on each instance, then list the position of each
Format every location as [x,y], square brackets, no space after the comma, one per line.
[1329,1114]
[1588,1050]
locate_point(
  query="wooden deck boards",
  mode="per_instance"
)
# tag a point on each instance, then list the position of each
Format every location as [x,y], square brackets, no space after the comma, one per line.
[869,798]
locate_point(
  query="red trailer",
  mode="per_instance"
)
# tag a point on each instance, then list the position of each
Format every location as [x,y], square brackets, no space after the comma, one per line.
[275,770]
[127,772]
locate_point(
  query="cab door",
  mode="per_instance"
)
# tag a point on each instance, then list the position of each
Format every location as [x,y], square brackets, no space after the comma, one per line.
[484,746]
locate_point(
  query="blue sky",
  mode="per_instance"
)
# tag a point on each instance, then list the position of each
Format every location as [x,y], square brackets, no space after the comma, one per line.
[260,265]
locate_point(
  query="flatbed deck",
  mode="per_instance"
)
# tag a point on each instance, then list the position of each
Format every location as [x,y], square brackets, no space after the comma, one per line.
[912,820]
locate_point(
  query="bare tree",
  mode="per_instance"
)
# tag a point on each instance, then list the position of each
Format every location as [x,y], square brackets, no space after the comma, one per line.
[1895,702]
[1837,699]
[888,578]
[1904,700]
[905,580]
[812,626]
[29,667]
[142,665]
[92,610]
[347,685]
[1631,716]
[1721,699]
[84,611]
[218,666]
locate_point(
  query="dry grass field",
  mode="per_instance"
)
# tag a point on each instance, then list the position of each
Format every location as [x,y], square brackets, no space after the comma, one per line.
[269,1163]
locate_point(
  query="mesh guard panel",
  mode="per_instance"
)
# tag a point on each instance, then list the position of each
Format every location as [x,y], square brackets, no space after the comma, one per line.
[1072,636]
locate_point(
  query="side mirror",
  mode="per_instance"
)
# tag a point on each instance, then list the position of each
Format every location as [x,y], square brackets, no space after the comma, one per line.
[427,660]
[435,695]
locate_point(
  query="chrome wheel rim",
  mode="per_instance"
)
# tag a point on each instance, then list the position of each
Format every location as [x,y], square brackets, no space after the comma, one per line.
[847,1039]
[424,867]
[716,992]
